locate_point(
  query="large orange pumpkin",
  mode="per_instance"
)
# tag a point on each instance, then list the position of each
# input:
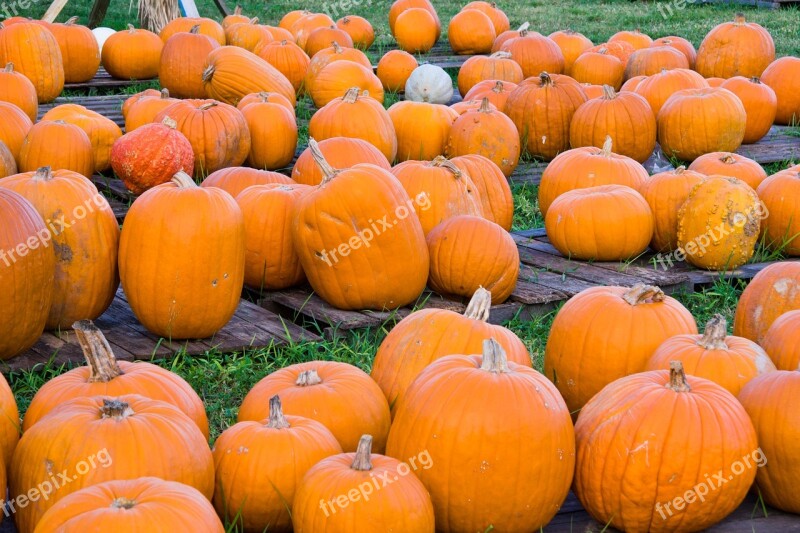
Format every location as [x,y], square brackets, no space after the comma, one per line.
[27,274]
[288,58]
[234,180]
[657,89]
[248,35]
[380,261]
[666,192]
[358,116]
[120,435]
[582,354]
[693,122]
[35,53]
[273,135]
[772,292]
[14,128]
[471,32]
[782,343]
[217,132]
[330,55]
[673,433]
[232,73]
[102,132]
[104,375]
[492,187]
[132,54]
[255,490]
[341,153]
[731,165]
[779,194]
[535,53]
[359,29]
[183,60]
[782,75]
[340,76]
[600,68]
[760,103]
[728,361]
[394,68]
[486,132]
[194,292]
[340,396]
[59,145]
[79,50]
[457,411]
[142,504]
[652,60]
[422,129]
[207,26]
[498,66]
[737,48]
[86,277]
[572,45]
[321,38]
[17,89]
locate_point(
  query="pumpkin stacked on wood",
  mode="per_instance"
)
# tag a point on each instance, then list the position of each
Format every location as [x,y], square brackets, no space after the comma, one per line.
[394,69]
[170,295]
[79,50]
[731,165]
[760,103]
[471,32]
[183,61]
[340,396]
[273,134]
[59,145]
[255,490]
[486,132]
[376,263]
[772,292]
[132,54]
[782,343]
[17,89]
[582,354]
[27,279]
[86,277]
[457,411]
[737,48]
[232,73]
[666,192]
[36,54]
[422,129]
[782,76]
[102,132]
[674,431]
[779,195]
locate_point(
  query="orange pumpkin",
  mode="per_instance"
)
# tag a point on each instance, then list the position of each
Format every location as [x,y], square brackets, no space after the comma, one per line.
[657,89]
[737,48]
[399,7]
[652,60]
[291,17]
[772,292]
[248,35]
[580,168]
[442,187]
[383,266]
[496,91]
[340,396]
[132,54]
[599,68]
[633,83]
[635,38]
[195,292]
[86,277]
[146,108]
[622,50]
[535,53]
[183,61]
[102,132]
[27,282]
[728,361]
[265,97]
[680,44]
[288,58]
[340,76]
[498,66]
[498,17]
[232,73]
[578,223]
[485,255]
[358,116]
[582,357]
[306,24]
[422,129]
[207,26]
[79,50]
[694,429]
[273,135]
[324,37]
[778,193]
[782,76]
[715,82]
[217,132]
[105,376]
[782,343]
[234,180]
[471,32]
[416,30]
[35,53]
[760,103]
[16,89]
[542,109]
[280,34]
[572,45]
[666,192]
[359,29]
[503,37]
[132,100]
[626,117]
[718,121]
[234,18]
[255,490]
[492,187]
[59,145]
[394,68]
[486,132]
[330,55]
[14,128]
[341,153]
[457,412]
[731,165]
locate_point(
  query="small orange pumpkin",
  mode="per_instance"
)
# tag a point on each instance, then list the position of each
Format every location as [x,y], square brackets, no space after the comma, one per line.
[771,293]
[680,44]
[471,32]
[306,24]
[359,29]
[102,132]
[17,89]
[265,97]
[328,56]
[599,68]
[760,103]
[652,60]
[486,132]
[394,68]
[132,54]
[496,91]
[146,108]
[340,76]
[535,53]
[572,45]
[497,15]
[657,88]
[416,30]
[778,193]
[323,37]
[59,145]
[492,186]
[207,26]
[635,38]
[248,35]
[782,343]
[782,76]
[273,135]
[288,58]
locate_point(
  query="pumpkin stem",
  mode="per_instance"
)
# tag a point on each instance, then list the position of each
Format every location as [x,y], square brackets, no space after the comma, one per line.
[328,172]
[441,161]
[609,93]
[498,87]
[608,144]
[345,20]
[351,96]
[501,55]
[308,378]
[714,335]
[276,418]
[337,48]
[728,159]
[237,10]
[756,80]
[123,503]
[484,108]
[99,356]
[208,105]
[603,51]
[195,29]
[43,174]
[115,409]
[525,26]
[677,377]
[9,67]
[479,306]
[363,459]
[71,21]
[183,180]
[680,170]
[253,20]
[208,73]
[494,357]
[641,293]
[545,79]
[523,33]
[739,19]
[131,28]
[169,122]
[164,94]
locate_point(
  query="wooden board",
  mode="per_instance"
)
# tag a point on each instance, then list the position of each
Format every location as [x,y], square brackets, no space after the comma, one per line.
[102,79]
[108,106]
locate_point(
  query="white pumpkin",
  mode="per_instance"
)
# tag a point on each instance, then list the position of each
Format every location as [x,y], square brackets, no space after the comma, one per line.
[429,83]
[101,34]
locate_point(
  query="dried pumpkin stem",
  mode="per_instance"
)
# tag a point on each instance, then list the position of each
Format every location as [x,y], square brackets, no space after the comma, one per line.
[677,377]
[739,19]
[714,335]
[123,503]
[115,409]
[442,162]
[43,174]
[337,48]
[680,170]
[728,159]
[131,28]
[363,459]
[308,378]
[608,144]
[276,418]
[237,10]
[524,26]
[351,96]
[99,356]
[9,67]
[169,122]
[253,20]
[71,21]
[484,108]
[756,80]
[164,94]
[641,293]
[545,79]
[195,29]
[480,305]
[208,73]
[494,357]
[328,172]
[183,180]
[608,92]
[501,55]
[523,33]
[498,87]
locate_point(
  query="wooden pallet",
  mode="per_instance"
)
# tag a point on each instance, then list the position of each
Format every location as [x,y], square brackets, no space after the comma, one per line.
[103,80]
[251,327]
